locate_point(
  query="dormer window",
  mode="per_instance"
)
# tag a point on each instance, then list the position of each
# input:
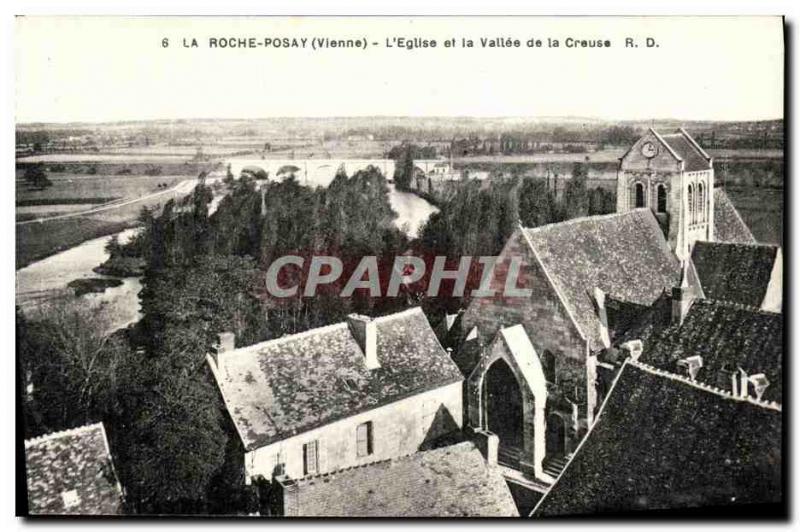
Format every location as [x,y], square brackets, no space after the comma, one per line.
[691,365]
[70,498]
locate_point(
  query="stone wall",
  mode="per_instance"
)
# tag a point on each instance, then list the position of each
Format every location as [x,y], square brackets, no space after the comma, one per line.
[546,321]
[398,429]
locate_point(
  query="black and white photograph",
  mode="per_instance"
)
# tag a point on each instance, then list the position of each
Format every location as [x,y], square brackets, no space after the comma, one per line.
[400,267]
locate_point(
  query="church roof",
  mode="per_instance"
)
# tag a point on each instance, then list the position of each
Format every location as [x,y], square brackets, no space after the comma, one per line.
[739,273]
[726,336]
[71,472]
[663,442]
[693,157]
[625,255]
[452,481]
[283,387]
[728,224]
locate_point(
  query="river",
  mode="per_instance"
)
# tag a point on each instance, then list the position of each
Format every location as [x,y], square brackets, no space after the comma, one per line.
[45,281]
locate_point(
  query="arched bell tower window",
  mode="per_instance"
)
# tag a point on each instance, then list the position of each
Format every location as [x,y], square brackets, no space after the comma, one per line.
[638,195]
[701,203]
[661,198]
[690,198]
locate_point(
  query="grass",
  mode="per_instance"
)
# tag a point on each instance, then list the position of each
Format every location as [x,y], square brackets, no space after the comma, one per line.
[69,188]
[39,240]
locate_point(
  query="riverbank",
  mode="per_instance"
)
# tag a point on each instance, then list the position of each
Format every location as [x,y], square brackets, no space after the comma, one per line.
[39,241]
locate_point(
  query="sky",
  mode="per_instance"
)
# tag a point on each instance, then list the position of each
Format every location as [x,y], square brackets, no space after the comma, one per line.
[101,69]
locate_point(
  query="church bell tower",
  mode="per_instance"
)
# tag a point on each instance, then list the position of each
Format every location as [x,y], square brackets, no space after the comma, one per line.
[674,177]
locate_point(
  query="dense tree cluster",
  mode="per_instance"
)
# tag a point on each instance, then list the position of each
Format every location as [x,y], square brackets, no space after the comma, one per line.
[204,274]
[36,176]
[478,219]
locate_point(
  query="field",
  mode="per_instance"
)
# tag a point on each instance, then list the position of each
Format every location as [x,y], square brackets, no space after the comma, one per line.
[102,180]
[762,210]
[92,195]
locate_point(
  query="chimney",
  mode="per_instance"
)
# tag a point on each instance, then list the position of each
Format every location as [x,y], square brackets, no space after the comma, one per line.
[682,296]
[284,499]
[691,365]
[488,444]
[632,349]
[225,343]
[760,383]
[743,384]
[366,334]
[599,300]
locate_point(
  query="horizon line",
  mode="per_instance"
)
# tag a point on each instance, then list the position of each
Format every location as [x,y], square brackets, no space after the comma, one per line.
[409,117]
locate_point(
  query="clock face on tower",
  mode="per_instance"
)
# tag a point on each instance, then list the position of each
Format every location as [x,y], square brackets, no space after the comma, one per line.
[649,150]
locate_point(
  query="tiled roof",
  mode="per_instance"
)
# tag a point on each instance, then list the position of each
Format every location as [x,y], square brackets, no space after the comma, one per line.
[739,273]
[694,160]
[452,481]
[728,224]
[727,336]
[282,387]
[662,442]
[625,255]
[71,472]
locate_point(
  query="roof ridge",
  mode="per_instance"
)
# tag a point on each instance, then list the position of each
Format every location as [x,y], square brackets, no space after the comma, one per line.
[669,148]
[739,306]
[320,330]
[745,244]
[588,218]
[695,144]
[400,458]
[771,405]
[288,338]
[61,433]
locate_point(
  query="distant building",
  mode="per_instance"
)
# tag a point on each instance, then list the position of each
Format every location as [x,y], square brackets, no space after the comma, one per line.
[72,473]
[453,481]
[663,441]
[339,396]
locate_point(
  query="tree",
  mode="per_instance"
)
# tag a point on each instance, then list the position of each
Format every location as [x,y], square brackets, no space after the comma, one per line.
[74,365]
[36,176]
[576,196]
[403,165]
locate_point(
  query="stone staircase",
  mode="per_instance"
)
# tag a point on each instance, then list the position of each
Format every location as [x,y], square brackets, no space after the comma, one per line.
[509,456]
[554,465]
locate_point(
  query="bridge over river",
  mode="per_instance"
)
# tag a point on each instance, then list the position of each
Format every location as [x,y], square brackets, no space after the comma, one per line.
[320,172]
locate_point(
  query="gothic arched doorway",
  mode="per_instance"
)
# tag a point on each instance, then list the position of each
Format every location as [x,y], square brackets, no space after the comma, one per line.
[504,411]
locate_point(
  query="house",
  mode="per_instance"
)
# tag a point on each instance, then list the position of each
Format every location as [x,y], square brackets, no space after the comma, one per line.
[71,473]
[340,396]
[664,441]
[452,481]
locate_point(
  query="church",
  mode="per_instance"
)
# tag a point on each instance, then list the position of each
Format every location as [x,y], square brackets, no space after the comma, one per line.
[537,369]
